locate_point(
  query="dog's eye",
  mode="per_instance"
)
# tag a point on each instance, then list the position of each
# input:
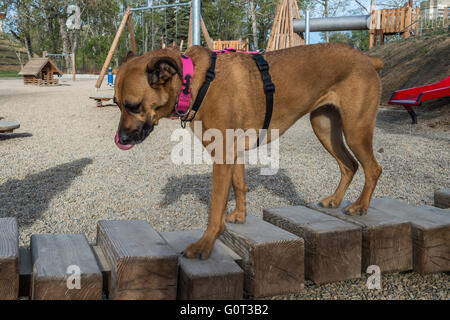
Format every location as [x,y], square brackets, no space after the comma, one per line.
[133,107]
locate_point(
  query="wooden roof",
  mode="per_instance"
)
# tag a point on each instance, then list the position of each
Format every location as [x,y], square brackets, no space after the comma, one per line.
[35,66]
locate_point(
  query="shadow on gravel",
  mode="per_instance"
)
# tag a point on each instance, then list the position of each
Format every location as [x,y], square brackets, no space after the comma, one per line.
[8,136]
[28,198]
[429,123]
[200,185]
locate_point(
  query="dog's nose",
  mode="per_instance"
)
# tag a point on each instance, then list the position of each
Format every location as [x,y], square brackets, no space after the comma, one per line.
[124,138]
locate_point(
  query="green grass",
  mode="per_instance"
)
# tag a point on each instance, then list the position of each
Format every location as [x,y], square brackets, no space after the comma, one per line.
[9,74]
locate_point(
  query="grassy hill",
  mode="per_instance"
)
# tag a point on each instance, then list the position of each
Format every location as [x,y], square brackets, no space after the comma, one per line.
[9,63]
[414,62]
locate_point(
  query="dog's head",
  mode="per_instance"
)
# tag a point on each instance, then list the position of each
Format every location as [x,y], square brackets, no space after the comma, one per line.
[145,91]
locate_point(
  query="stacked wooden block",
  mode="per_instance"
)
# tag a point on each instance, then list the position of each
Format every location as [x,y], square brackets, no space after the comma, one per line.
[261,258]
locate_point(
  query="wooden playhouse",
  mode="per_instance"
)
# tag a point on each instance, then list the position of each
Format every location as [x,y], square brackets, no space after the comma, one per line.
[40,71]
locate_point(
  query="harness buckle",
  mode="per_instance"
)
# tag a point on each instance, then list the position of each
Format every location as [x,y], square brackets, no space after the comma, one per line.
[210,75]
[269,87]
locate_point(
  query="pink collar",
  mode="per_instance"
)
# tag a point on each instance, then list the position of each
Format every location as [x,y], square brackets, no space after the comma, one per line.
[184,100]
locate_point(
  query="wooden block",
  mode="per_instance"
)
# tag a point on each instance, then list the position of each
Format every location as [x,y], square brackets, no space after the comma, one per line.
[143,265]
[9,259]
[431,233]
[332,246]
[217,278]
[442,198]
[104,266]
[272,258]
[25,272]
[52,255]
[386,239]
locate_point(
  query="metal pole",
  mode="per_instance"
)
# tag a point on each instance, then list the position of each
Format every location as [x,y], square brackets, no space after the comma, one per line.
[196,16]
[307,28]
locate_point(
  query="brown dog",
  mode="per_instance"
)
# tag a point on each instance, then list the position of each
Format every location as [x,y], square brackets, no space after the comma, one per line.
[339,87]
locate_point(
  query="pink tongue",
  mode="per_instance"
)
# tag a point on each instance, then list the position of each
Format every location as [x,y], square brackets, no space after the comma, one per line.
[123,147]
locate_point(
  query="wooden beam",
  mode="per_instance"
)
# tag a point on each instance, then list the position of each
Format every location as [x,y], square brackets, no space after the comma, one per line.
[112,49]
[143,265]
[431,233]
[273,259]
[217,278]
[208,39]
[131,31]
[332,246]
[442,198]
[386,239]
[189,44]
[52,255]
[9,259]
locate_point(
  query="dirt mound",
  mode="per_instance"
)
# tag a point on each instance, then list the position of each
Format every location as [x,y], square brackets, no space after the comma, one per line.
[414,62]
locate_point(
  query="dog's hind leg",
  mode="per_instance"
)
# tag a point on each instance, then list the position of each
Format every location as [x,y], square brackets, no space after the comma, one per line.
[327,125]
[240,189]
[358,126]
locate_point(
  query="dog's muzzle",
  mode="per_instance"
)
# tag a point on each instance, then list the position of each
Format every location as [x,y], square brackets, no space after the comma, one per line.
[125,141]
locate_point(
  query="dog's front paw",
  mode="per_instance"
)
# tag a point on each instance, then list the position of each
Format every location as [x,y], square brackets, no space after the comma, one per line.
[330,202]
[236,216]
[200,249]
[356,209]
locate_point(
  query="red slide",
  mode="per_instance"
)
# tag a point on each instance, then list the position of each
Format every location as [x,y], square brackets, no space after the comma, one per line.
[415,96]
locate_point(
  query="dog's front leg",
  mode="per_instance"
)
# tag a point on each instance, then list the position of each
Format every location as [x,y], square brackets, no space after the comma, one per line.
[240,189]
[222,175]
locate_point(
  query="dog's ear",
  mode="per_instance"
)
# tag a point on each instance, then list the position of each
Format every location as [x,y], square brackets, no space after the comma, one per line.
[130,55]
[160,70]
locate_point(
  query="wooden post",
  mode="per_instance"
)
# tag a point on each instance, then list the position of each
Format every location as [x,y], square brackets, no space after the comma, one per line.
[431,233]
[44,54]
[208,39]
[332,247]
[189,44]
[113,48]
[218,277]
[386,238]
[407,23]
[131,30]
[372,36]
[9,259]
[442,198]
[272,258]
[143,265]
[181,45]
[445,16]
[74,71]
[52,255]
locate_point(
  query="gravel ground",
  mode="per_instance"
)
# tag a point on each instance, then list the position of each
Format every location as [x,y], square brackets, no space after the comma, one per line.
[61,172]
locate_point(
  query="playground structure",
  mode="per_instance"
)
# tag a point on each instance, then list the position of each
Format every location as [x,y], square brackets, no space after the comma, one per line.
[40,71]
[45,54]
[415,96]
[196,28]
[262,258]
[282,34]
[382,22]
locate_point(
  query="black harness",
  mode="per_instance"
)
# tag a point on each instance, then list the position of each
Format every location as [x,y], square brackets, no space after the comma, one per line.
[269,89]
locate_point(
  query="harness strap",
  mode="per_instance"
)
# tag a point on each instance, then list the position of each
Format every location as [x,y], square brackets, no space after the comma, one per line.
[210,75]
[269,89]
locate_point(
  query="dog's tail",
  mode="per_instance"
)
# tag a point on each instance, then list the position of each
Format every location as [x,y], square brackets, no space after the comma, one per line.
[377,63]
